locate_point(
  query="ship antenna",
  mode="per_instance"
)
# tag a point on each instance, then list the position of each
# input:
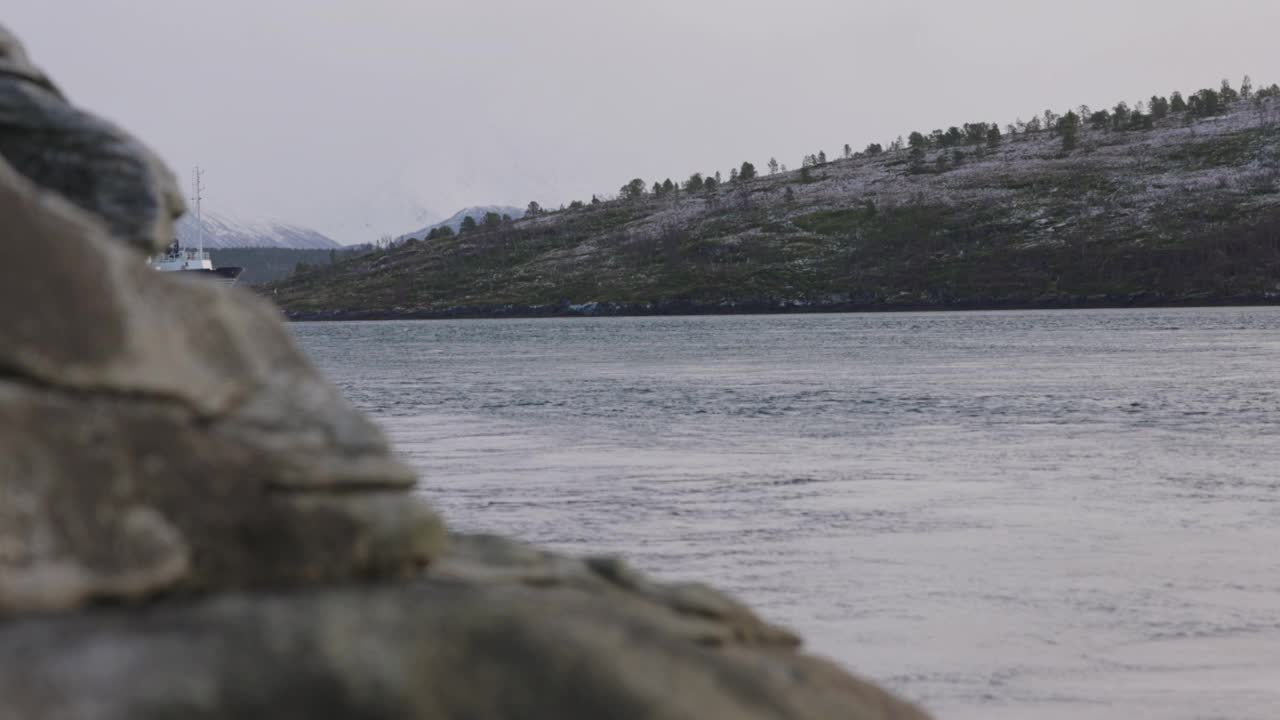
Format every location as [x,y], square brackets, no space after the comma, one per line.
[199,189]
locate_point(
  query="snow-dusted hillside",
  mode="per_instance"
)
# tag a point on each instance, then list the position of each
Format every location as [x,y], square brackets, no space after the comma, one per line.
[455,221]
[223,232]
[1183,211]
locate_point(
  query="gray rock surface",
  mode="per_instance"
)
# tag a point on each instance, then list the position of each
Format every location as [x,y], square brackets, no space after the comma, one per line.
[193,522]
[550,638]
[90,161]
[161,433]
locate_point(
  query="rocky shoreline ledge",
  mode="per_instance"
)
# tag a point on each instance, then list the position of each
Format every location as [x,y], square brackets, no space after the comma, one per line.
[774,307]
[195,523]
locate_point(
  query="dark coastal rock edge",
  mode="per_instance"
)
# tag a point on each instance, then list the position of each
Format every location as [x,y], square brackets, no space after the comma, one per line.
[779,307]
[195,524]
[505,632]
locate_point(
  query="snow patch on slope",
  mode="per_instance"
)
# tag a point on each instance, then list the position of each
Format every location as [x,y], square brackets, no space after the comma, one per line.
[455,221]
[224,232]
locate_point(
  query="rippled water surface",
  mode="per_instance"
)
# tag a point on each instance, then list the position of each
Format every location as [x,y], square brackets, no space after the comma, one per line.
[1068,514]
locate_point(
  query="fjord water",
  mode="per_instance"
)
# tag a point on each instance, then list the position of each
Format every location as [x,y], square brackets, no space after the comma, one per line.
[1056,514]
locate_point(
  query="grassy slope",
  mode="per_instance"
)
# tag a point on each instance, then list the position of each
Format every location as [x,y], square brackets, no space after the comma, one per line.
[1187,210]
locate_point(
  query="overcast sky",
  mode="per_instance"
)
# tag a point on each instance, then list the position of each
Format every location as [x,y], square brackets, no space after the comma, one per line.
[359,117]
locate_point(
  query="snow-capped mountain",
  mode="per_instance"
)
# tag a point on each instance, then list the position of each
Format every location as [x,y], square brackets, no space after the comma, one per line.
[455,221]
[224,232]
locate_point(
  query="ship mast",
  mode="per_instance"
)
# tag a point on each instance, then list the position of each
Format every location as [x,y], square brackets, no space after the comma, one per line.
[197,196]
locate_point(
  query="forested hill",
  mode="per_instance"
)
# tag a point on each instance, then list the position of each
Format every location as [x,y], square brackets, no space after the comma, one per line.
[268,264]
[1176,200]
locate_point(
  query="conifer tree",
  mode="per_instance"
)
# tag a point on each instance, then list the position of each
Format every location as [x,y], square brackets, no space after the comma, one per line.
[1120,116]
[1050,120]
[1205,103]
[1176,102]
[747,172]
[468,224]
[773,166]
[1067,126]
[917,143]
[1227,94]
[633,190]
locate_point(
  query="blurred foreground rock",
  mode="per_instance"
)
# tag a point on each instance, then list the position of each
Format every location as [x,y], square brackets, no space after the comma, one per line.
[90,161]
[193,523]
[514,634]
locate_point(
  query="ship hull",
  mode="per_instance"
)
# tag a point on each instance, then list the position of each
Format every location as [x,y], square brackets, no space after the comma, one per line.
[228,274]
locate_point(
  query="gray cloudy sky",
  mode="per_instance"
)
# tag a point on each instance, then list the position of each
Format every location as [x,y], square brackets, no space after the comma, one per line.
[357,117]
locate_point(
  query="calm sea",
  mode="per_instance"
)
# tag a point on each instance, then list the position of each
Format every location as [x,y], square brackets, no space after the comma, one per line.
[1062,514]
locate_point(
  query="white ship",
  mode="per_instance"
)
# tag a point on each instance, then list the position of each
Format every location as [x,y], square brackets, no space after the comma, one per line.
[180,259]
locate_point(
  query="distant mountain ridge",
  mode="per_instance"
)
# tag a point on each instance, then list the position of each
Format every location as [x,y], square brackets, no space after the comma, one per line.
[221,231]
[455,221]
